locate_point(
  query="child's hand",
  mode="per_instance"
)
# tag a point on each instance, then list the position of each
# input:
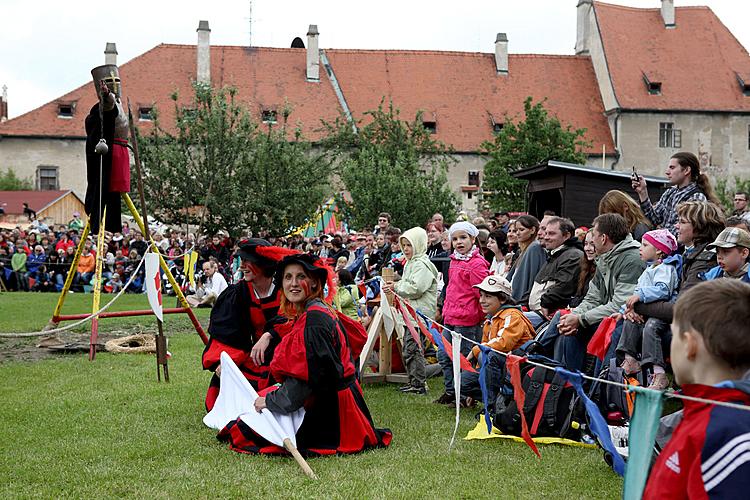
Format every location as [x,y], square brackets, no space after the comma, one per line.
[616,316]
[632,300]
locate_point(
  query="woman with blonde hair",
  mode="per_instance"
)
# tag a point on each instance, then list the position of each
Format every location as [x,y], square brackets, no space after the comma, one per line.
[617,202]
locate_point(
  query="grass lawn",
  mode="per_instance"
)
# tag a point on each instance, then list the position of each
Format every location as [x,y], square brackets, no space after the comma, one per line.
[106,428]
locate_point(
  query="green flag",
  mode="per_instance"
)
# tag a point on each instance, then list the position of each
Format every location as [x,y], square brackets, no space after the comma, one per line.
[641,436]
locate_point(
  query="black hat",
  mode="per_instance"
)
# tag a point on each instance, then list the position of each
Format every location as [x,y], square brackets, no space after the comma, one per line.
[313,265]
[248,251]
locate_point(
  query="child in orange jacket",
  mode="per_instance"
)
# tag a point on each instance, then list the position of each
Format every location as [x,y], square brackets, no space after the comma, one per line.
[506,328]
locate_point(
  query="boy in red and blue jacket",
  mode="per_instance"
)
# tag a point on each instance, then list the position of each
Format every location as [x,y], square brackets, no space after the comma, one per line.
[708,455]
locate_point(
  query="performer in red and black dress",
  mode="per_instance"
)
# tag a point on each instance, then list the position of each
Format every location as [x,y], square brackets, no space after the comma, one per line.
[314,363]
[244,319]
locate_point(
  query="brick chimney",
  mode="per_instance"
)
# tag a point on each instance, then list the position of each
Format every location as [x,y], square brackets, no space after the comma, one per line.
[203,73]
[313,55]
[4,104]
[583,26]
[110,53]
[667,13]
[501,54]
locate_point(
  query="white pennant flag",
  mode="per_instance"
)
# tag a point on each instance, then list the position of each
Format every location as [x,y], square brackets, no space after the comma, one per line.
[456,344]
[153,284]
[236,400]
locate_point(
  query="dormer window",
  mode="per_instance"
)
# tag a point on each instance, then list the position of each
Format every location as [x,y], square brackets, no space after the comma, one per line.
[497,127]
[65,110]
[744,81]
[430,126]
[268,116]
[145,113]
[653,83]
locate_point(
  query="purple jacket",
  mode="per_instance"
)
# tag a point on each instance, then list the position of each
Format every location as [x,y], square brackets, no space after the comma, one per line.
[461,306]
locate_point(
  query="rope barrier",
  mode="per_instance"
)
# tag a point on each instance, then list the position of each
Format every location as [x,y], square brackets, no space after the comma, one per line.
[81,321]
[627,387]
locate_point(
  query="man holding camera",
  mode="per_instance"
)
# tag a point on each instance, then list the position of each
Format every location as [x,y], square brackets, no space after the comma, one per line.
[210,286]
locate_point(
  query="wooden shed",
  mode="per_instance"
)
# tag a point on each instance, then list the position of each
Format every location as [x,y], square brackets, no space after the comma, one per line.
[574,191]
[51,207]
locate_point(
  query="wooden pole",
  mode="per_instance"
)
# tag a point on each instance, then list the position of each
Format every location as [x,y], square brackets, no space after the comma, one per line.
[298,458]
[97,287]
[69,279]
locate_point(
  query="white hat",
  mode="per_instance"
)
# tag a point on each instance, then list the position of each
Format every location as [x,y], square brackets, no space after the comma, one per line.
[495,284]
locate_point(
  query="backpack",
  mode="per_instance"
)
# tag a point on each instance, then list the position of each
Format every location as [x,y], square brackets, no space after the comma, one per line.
[549,406]
[615,404]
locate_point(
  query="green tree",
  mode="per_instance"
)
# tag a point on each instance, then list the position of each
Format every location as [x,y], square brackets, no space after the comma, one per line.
[10,182]
[222,170]
[391,165]
[535,139]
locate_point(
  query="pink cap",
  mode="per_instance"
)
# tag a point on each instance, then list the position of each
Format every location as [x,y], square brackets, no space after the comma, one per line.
[662,240]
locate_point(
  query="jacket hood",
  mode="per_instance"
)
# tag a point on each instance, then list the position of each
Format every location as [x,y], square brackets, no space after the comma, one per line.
[627,244]
[573,242]
[418,239]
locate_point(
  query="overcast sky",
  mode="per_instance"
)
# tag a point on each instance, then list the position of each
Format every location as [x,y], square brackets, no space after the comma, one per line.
[48,47]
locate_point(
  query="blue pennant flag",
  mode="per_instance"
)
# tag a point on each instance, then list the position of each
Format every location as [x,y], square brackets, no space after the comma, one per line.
[484,352]
[598,425]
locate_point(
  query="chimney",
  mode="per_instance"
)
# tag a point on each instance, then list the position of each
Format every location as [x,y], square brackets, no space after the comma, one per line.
[110,53]
[583,26]
[313,55]
[4,104]
[667,13]
[501,54]
[204,53]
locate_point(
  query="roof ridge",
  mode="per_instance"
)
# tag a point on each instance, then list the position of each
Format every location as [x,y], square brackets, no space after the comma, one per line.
[651,9]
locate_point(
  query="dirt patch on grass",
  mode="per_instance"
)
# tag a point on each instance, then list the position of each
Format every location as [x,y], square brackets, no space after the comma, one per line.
[63,344]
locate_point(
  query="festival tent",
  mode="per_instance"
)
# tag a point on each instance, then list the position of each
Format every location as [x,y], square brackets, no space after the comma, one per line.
[326,220]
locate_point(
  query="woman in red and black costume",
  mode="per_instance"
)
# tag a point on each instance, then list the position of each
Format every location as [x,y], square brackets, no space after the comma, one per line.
[245,320]
[315,366]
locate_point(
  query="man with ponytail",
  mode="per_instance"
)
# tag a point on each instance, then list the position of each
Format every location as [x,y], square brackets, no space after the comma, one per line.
[688,184]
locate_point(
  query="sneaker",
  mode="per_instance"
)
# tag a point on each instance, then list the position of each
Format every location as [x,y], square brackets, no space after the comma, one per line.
[631,365]
[659,382]
[446,399]
[405,388]
[467,402]
[415,390]
[619,436]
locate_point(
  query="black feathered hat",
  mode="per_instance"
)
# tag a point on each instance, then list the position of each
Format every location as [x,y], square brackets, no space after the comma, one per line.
[261,253]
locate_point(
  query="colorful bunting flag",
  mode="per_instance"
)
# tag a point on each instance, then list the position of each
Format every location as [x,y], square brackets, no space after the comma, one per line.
[512,363]
[596,422]
[484,353]
[153,284]
[456,348]
[599,343]
[641,436]
[408,323]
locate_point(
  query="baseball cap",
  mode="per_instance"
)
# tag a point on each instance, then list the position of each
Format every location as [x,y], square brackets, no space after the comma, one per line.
[495,284]
[731,237]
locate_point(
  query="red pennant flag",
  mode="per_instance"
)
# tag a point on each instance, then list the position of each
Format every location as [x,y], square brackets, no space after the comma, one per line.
[448,347]
[599,343]
[512,363]
[420,323]
[409,325]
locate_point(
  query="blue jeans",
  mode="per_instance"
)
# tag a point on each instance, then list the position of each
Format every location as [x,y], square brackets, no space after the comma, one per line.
[495,373]
[535,318]
[569,350]
[470,332]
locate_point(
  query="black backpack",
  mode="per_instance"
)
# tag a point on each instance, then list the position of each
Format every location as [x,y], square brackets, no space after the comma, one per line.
[549,406]
[613,401]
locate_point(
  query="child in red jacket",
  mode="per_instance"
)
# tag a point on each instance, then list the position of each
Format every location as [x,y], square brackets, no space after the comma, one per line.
[708,455]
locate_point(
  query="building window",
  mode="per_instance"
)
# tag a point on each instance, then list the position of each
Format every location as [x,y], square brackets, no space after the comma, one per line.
[653,83]
[497,127]
[268,116]
[145,113]
[669,137]
[65,110]
[473,178]
[430,126]
[46,178]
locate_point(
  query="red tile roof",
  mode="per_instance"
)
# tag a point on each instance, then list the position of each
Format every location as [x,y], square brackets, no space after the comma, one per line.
[696,62]
[461,90]
[12,201]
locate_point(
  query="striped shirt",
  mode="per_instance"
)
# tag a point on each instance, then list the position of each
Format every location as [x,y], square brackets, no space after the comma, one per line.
[664,213]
